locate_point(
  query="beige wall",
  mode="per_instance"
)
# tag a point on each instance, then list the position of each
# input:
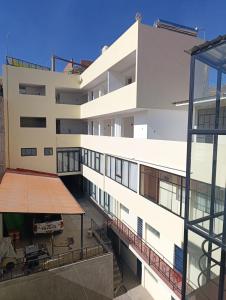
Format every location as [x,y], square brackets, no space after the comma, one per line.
[17,105]
[163,67]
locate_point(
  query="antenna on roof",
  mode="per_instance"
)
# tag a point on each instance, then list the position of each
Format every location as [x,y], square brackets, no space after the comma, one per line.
[138,17]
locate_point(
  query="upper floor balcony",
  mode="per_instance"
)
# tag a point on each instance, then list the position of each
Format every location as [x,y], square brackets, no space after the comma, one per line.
[142,58]
[121,99]
[168,155]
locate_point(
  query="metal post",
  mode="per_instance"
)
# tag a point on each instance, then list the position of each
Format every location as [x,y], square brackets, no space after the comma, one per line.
[188,167]
[223,256]
[53,63]
[213,179]
[81,231]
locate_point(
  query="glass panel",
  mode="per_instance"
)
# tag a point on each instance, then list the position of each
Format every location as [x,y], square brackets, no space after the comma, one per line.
[97,165]
[101,163]
[170,191]
[108,166]
[93,160]
[202,274]
[118,170]
[133,176]
[65,162]
[76,162]
[89,158]
[59,162]
[86,156]
[222,115]
[101,196]
[201,176]
[113,168]
[71,161]
[204,96]
[220,184]
[149,183]
[125,173]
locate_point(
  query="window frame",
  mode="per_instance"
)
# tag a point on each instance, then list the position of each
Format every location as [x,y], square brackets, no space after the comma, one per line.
[26,149]
[49,148]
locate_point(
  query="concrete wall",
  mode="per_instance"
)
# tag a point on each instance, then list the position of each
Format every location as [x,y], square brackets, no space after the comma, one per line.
[163,67]
[161,124]
[17,105]
[91,279]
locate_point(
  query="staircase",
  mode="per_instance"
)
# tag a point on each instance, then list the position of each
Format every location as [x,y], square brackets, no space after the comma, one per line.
[119,288]
[101,234]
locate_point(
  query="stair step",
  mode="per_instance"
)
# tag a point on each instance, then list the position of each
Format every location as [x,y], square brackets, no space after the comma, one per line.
[117,276]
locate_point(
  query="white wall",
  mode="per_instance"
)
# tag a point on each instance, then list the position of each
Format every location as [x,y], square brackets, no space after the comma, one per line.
[160,124]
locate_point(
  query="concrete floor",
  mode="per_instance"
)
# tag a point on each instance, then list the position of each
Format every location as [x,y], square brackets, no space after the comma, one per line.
[72,229]
[137,293]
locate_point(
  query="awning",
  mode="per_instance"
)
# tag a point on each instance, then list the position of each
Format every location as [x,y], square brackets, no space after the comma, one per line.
[23,191]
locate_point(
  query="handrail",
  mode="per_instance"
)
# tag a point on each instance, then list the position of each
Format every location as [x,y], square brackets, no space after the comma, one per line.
[168,274]
[24,268]
[16,62]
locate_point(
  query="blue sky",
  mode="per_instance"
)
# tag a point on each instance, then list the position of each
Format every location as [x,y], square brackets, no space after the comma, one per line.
[34,29]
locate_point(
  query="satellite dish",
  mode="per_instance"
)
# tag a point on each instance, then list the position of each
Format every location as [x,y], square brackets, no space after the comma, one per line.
[138,17]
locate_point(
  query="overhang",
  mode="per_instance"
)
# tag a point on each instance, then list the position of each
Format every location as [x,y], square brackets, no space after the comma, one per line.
[23,191]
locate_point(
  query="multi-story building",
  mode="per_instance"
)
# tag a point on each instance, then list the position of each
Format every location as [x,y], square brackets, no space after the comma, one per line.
[116,125]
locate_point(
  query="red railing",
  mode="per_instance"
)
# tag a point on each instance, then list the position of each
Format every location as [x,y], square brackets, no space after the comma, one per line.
[154,259]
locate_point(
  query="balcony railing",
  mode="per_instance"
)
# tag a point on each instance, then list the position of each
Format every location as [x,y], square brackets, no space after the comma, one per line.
[16,62]
[154,259]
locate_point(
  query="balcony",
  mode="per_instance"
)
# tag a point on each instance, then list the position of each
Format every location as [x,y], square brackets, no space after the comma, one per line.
[155,260]
[165,154]
[119,100]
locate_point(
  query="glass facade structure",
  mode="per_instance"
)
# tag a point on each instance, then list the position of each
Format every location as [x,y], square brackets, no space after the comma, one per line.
[205,214]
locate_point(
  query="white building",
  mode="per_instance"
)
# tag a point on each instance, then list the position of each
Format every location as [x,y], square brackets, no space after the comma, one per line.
[119,115]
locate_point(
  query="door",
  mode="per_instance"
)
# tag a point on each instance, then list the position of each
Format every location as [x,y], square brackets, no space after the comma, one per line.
[139,269]
[150,282]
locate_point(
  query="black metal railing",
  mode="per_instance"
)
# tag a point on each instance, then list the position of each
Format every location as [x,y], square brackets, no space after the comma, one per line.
[16,62]
[23,268]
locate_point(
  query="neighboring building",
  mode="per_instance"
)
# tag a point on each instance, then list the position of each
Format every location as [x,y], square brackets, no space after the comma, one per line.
[115,125]
[205,216]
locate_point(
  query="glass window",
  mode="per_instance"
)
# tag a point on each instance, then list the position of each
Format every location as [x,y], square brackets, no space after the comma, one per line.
[149,184]
[93,160]
[108,166]
[112,168]
[101,163]
[101,198]
[118,170]
[48,151]
[28,151]
[125,173]
[59,162]
[89,159]
[68,161]
[86,157]
[33,122]
[97,164]
[133,176]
